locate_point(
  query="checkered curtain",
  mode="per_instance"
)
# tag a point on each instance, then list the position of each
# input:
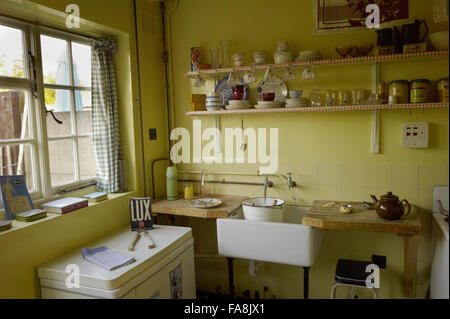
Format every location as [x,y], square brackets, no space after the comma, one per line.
[105,122]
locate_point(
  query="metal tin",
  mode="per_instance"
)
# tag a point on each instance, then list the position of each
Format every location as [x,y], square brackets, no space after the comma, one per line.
[399,91]
[442,90]
[420,91]
[195,58]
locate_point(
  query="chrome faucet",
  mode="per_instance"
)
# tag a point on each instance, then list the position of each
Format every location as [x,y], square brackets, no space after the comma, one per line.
[267,184]
[290,181]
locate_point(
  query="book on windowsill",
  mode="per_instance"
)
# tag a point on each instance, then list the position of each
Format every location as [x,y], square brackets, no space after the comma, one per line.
[31,215]
[14,195]
[65,205]
[96,197]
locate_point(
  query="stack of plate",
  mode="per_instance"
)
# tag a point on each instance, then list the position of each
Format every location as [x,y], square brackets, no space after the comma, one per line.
[297,102]
[238,104]
[268,104]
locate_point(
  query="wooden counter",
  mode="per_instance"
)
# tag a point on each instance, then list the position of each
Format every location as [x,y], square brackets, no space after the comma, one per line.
[362,219]
[183,207]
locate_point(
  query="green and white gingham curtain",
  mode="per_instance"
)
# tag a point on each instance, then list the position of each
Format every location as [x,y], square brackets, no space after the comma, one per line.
[105,122]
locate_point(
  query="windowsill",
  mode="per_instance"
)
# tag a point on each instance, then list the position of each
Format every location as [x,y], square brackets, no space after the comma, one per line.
[18,225]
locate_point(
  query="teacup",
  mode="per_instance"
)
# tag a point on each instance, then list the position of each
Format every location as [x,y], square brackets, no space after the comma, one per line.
[239,59]
[282,46]
[238,92]
[268,96]
[296,94]
[260,57]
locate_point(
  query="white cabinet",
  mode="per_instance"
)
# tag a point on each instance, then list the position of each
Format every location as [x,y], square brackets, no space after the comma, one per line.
[166,271]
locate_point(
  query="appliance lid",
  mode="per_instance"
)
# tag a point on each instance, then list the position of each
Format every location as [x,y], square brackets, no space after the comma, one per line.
[166,238]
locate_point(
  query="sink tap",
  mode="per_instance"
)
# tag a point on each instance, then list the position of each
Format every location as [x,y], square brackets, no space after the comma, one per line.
[267,184]
[290,182]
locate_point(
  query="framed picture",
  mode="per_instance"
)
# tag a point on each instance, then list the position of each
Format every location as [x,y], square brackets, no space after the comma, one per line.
[331,16]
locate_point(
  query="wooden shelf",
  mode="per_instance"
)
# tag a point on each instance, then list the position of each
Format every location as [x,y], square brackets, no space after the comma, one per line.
[324,109]
[339,61]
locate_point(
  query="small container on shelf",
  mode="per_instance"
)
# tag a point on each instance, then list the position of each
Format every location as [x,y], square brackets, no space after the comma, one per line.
[442,90]
[398,92]
[420,91]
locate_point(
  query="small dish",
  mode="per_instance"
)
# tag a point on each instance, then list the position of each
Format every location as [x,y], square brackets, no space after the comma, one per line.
[206,202]
[345,208]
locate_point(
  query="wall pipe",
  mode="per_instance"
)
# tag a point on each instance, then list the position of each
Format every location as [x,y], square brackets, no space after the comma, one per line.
[141,125]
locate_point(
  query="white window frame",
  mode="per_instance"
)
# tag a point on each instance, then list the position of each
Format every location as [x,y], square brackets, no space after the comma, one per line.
[38,126]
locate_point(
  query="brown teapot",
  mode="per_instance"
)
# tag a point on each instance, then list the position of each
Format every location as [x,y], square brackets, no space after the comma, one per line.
[389,207]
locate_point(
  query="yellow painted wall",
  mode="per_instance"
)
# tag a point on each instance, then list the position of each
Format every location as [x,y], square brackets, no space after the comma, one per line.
[327,152]
[22,250]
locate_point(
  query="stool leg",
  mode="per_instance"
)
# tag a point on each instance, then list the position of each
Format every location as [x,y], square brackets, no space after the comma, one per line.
[333,291]
[230,276]
[374,292]
[352,290]
[305,282]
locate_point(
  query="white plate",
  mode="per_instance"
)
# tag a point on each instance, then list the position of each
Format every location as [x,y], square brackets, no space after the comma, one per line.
[239,107]
[268,105]
[272,85]
[206,202]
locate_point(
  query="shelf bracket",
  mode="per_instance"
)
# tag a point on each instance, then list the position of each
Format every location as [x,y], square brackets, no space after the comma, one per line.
[375,142]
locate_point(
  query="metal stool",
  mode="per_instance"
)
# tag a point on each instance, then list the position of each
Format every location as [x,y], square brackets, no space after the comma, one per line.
[352,273]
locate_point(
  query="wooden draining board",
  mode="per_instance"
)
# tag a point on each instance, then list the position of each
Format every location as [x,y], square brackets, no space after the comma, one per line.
[183,207]
[361,219]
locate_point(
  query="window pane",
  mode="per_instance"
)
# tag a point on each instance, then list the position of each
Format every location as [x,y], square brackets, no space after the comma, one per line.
[58,101]
[17,159]
[87,158]
[81,64]
[14,114]
[62,167]
[11,52]
[84,112]
[54,60]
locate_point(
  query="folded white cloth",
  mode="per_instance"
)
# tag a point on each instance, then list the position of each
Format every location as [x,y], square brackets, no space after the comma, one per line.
[105,257]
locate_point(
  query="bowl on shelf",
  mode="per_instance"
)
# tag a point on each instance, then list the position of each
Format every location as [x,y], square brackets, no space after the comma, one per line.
[308,55]
[344,50]
[364,49]
[439,40]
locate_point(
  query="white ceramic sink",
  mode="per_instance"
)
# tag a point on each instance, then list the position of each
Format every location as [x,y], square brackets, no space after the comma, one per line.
[289,242]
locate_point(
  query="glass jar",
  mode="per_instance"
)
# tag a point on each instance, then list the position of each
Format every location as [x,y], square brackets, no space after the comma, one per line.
[205,186]
[442,90]
[398,92]
[344,97]
[316,98]
[358,96]
[420,91]
[331,98]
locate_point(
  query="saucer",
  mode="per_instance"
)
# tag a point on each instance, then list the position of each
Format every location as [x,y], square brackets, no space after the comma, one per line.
[267,104]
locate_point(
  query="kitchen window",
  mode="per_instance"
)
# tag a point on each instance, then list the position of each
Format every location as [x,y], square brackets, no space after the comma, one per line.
[45,108]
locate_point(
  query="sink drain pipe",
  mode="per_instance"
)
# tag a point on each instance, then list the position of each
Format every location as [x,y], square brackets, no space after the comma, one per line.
[231,279]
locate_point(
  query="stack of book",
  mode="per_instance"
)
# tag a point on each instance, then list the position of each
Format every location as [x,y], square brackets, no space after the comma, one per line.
[31,215]
[96,197]
[65,205]
[5,225]
[198,102]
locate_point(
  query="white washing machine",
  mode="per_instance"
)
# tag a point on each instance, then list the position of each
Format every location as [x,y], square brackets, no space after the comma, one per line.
[439,280]
[166,271]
